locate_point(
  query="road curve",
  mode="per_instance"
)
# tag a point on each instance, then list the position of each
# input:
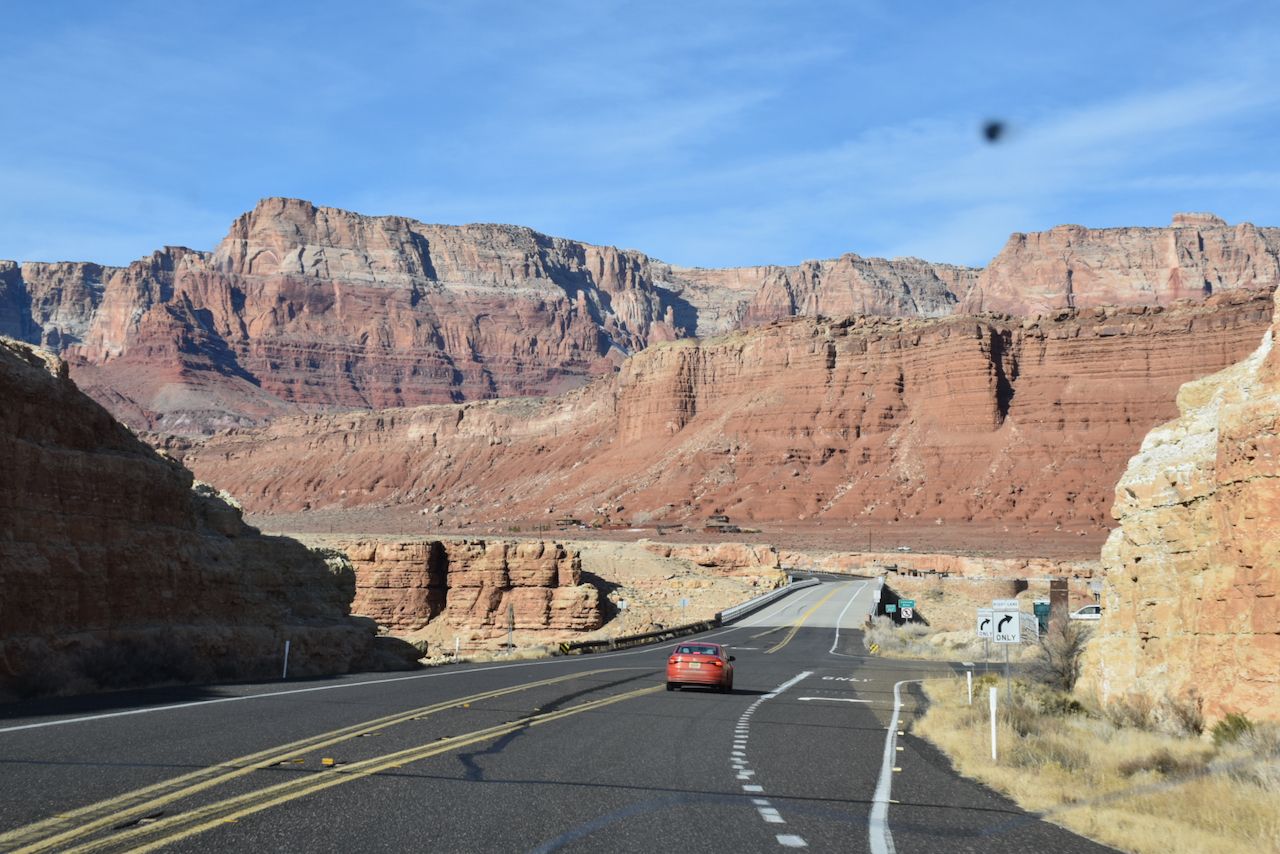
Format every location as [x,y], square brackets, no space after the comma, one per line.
[574,754]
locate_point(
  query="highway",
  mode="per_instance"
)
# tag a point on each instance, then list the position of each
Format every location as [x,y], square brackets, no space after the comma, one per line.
[573,754]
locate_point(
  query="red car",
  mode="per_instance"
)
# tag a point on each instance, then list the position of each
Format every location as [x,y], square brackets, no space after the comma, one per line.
[700,664]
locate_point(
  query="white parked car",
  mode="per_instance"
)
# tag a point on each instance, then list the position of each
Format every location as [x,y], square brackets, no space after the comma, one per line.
[1088,612]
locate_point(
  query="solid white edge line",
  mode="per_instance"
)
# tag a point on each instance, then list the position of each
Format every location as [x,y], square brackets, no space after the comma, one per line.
[881,838]
[852,599]
[764,612]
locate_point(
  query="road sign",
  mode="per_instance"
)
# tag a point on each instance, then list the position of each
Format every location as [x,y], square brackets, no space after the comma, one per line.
[907,613]
[1006,624]
[984,622]
[906,603]
[889,609]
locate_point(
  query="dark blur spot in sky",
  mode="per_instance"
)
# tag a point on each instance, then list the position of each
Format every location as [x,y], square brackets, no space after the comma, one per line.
[993,131]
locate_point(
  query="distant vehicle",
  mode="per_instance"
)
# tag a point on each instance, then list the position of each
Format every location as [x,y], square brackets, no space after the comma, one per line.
[705,664]
[904,548]
[1088,612]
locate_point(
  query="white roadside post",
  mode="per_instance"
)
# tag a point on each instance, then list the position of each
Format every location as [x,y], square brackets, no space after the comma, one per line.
[992,700]
[284,674]
[968,677]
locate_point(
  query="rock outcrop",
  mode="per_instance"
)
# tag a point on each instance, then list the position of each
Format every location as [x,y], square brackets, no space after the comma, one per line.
[405,584]
[1013,421]
[307,308]
[1192,575]
[304,307]
[117,569]
[1075,267]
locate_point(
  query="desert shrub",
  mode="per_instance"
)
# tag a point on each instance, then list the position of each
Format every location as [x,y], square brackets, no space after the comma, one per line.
[1132,710]
[1185,715]
[1061,650]
[131,662]
[1163,763]
[1059,704]
[44,672]
[1262,744]
[1231,729]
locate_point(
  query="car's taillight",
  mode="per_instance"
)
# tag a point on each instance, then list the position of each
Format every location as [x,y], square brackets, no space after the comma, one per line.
[717,662]
[675,659]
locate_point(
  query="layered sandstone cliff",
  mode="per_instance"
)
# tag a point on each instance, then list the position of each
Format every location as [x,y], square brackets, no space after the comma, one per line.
[116,571]
[305,307]
[405,584]
[933,421]
[1075,267]
[1192,575]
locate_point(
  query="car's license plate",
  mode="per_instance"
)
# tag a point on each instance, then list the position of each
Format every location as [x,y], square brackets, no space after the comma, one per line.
[693,665]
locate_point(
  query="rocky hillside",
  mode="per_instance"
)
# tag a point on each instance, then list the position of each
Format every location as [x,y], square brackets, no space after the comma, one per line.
[304,308]
[469,585]
[1192,575]
[1075,267]
[935,421]
[116,571]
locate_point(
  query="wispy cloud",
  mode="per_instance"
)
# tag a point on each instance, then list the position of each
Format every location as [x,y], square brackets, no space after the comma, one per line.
[712,133]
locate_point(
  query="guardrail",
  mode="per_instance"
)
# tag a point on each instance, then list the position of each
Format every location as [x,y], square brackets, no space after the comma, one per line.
[608,644]
[725,616]
[728,615]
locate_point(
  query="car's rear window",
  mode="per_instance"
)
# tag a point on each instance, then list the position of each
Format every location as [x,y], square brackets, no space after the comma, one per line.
[698,650]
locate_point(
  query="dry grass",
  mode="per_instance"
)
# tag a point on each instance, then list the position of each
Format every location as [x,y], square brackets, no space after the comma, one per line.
[916,640]
[1138,790]
[528,653]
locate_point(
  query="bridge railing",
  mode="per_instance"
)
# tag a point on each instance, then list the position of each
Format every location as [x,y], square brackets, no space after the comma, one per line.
[726,616]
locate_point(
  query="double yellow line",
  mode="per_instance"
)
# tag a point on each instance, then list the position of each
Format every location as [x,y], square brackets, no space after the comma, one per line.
[800,622]
[163,832]
[58,832]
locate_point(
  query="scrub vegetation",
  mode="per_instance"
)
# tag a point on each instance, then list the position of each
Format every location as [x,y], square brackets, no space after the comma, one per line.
[1141,775]
[916,640]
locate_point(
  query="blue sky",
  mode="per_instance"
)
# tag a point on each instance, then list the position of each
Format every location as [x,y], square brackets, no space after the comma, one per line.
[703,133]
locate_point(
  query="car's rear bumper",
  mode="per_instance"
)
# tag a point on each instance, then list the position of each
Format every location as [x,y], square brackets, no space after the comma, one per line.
[701,676]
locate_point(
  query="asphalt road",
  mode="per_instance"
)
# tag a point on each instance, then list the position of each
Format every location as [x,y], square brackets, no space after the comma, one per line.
[574,754]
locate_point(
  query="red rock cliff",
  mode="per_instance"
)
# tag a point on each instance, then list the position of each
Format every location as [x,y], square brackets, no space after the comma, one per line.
[1075,267]
[955,419]
[469,584]
[312,307]
[114,568]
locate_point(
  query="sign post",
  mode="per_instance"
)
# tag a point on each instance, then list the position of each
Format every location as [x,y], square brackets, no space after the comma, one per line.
[1007,630]
[908,607]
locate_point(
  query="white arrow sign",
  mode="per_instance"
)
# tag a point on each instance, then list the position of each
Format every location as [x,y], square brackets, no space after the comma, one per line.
[1006,625]
[984,623]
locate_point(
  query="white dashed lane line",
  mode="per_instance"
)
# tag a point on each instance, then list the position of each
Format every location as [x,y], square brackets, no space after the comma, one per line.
[738,761]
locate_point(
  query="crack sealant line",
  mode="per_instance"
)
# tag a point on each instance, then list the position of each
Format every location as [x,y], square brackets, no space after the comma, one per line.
[880,837]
